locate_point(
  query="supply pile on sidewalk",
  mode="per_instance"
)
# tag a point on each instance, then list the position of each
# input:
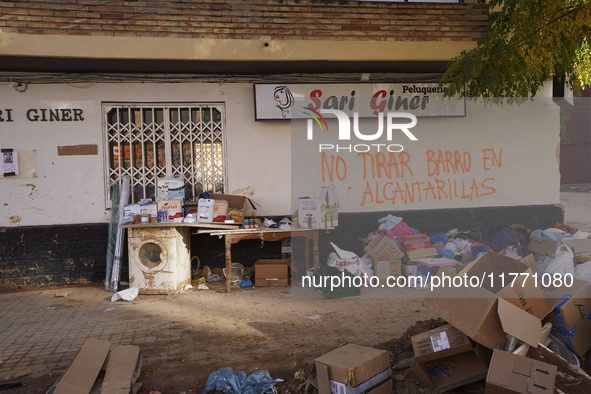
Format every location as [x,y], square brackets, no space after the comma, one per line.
[515,309]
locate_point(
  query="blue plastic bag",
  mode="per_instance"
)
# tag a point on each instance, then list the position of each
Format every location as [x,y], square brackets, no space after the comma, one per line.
[245,283]
[226,381]
[439,237]
[446,253]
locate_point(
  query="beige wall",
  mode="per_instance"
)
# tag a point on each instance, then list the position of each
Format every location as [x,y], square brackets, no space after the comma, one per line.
[215,49]
[495,156]
[70,189]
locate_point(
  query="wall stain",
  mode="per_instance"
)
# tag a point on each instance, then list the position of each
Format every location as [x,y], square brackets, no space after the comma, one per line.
[15,219]
[33,187]
[245,191]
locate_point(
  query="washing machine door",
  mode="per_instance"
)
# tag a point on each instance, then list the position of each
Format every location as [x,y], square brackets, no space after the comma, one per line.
[151,256]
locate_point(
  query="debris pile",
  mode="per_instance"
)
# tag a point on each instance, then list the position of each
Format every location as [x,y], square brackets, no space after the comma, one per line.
[514,307]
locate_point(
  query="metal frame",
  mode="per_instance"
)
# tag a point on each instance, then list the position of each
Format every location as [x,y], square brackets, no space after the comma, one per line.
[165,140]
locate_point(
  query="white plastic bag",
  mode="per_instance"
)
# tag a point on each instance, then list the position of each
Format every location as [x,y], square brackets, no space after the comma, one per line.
[343,259]
[126,295]
[583,271]
[561,263]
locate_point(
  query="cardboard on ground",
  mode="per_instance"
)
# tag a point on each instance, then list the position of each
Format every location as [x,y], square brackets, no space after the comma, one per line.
[122,364]
[487,314]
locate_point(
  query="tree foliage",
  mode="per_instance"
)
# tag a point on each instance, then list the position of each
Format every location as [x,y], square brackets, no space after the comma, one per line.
[528,42]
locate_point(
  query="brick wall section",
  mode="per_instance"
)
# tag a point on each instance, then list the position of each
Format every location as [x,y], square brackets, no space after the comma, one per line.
[238,19]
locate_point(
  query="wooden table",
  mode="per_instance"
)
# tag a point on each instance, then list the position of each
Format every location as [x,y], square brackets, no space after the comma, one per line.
[267,234]
[233,234]
[173,224]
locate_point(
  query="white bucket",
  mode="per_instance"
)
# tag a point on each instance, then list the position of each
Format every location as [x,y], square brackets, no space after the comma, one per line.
[205,210]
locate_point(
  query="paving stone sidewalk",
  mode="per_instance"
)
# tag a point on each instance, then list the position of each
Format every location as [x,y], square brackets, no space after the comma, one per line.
[41,331]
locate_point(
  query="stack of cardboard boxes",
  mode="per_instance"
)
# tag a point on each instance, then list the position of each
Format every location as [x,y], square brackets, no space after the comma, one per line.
[416,257]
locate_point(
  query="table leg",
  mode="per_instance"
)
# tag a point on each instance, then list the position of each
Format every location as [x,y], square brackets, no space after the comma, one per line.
[307,252]
[228,242]
[316,258]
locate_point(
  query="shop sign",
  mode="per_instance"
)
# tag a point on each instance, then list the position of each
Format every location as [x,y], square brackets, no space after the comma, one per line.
[290,101]
[43,115]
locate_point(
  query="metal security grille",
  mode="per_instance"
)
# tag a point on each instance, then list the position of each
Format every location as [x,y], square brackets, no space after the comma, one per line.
[148,142]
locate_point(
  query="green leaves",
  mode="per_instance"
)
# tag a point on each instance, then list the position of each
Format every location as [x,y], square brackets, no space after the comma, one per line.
[528,42]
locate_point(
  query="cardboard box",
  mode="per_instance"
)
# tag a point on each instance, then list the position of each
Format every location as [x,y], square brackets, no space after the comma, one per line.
[408,267]
[268,272]
[579,246]
[466,258]
[415,241]
[571,318]
[424,264]
[488,313]
[354,369]
[548,247]
[309,212]
[511,373]
[409,260]
[421,253]
[454,370]
[384,269]
[150,208]
[146,205]
[381,248]
[439,343]
[174,208]
[329,208]
[123,366]
[241,203]
[175,189]
[129,210]
[568,378]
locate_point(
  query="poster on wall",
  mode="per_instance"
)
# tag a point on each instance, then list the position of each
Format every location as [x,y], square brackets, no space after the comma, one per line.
[9,162]
[278,101]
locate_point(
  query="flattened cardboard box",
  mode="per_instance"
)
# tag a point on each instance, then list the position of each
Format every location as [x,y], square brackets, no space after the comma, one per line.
[123,367]
[354,369]
[511,373]
[488,313]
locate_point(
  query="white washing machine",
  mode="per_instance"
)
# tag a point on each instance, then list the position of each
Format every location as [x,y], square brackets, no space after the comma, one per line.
[159,259]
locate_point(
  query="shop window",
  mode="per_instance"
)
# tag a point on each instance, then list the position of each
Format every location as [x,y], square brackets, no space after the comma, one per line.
[148,142]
